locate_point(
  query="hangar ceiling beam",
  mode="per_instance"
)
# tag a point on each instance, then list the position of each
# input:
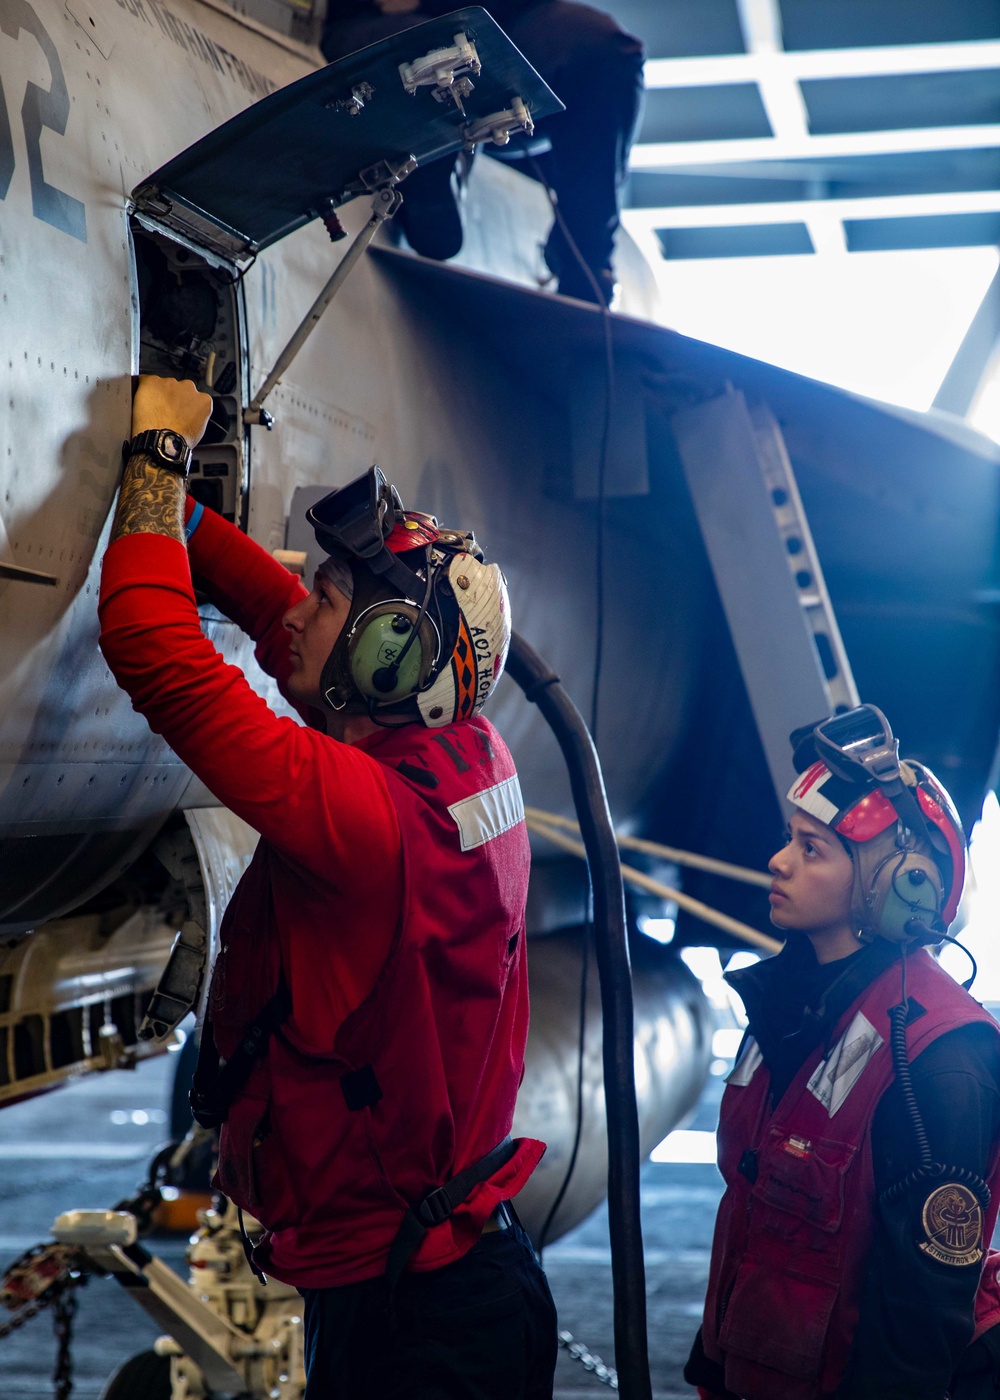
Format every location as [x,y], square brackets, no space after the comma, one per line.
[672,155]
[706,134]
[974,356]
[888,61]
[760,22]
[901,206]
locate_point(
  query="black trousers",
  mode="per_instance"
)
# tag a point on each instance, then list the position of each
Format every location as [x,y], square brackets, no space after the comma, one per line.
[483,1328]
[595,67]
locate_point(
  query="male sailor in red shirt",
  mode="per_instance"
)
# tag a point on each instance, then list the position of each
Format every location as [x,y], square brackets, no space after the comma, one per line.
[859,1135]
[368,1009]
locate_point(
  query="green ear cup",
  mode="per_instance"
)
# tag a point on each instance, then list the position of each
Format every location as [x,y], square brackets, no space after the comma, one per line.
[375,647]
[905,889]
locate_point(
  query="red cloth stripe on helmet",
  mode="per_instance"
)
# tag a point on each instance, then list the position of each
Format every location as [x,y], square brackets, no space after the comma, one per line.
[934,812]
[413,531]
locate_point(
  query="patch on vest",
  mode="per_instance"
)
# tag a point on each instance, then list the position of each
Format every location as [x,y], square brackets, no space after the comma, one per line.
[746,1066]
[953,1225]
[487,814]
[835,1077]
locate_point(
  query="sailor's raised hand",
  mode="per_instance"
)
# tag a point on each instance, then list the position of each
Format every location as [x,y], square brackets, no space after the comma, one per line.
[177,404]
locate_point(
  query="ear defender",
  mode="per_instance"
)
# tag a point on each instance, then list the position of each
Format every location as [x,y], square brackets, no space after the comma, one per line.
[386,661]
[906,890]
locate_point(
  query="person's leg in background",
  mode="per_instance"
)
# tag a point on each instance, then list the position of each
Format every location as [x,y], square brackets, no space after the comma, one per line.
[595,67]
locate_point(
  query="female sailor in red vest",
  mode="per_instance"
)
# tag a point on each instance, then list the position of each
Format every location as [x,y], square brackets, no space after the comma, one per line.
[860,1128]
[368,1008]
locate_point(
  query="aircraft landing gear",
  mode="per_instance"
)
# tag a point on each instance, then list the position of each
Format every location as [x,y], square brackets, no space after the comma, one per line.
[225,1332]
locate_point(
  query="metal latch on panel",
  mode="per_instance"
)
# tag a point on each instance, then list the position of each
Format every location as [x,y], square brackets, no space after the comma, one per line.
[499,127]
[355,104]
[445,71]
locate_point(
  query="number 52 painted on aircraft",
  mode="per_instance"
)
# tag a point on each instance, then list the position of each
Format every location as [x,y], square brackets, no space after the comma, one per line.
[39,109]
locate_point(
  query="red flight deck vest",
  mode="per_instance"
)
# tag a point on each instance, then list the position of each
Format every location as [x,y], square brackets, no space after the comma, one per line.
[328,1152]
[789,1250]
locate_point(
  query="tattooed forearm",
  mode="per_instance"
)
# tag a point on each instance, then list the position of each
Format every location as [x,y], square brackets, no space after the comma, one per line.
[151,501]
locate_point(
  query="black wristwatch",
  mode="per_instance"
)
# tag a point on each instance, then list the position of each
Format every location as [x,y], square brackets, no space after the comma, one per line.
[163,447]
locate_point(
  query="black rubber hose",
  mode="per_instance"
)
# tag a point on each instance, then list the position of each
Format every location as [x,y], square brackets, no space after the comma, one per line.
[541,686]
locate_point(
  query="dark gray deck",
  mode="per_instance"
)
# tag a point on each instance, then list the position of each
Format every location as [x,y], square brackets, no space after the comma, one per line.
[64,1150]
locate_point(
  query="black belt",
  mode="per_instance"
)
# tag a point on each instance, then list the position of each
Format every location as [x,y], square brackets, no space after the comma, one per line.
[501,1219]
[438,1206]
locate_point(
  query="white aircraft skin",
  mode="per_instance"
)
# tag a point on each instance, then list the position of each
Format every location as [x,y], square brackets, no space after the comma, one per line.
[362,390]
[122,86]
[69,741]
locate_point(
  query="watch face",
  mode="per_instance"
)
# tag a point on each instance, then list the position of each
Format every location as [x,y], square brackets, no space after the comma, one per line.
[172,445]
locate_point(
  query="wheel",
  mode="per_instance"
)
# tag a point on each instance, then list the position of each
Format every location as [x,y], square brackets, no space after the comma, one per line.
[142,1377]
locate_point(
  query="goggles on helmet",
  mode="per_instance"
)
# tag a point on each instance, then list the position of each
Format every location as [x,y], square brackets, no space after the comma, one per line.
[858,744]
[859,747]
[359,520]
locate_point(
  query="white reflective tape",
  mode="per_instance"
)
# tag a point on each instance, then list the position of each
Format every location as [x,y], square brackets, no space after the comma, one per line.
[835,1077]
[487,814]
[746,1066]
[817,806]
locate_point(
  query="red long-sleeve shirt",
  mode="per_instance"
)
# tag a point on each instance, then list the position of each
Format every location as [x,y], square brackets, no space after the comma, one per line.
[322,807]
[325,894]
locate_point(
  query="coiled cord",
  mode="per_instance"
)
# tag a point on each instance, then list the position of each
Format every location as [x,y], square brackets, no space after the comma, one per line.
[928,1170]
[936,1172]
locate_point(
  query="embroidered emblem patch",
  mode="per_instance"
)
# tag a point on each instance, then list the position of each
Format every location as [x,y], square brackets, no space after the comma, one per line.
[953,1225]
